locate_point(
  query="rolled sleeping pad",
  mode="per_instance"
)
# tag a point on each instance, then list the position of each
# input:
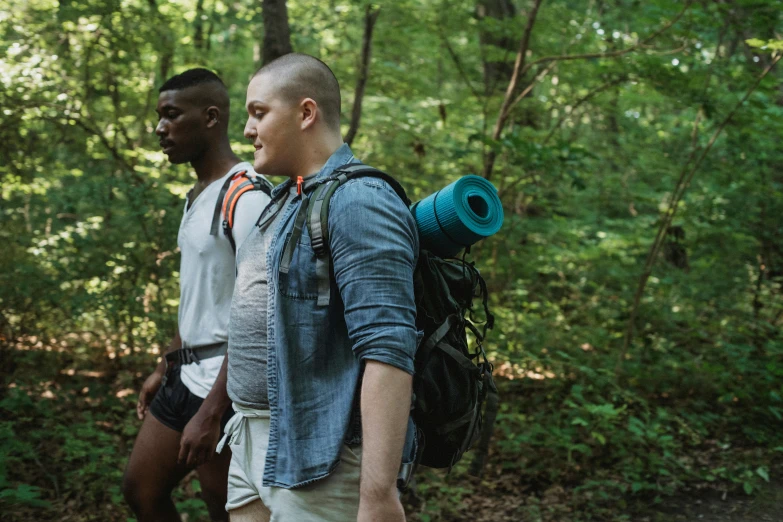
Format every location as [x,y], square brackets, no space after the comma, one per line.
[458,216]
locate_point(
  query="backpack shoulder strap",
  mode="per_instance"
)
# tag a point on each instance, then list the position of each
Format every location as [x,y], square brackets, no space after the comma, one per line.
[232,190]
[213,231]
[318,217]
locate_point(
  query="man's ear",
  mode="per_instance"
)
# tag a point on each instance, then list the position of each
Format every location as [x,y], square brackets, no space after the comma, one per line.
[309,112]
[213,116]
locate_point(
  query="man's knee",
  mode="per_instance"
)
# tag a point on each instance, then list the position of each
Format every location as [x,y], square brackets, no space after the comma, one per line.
[142,498]
[130,490]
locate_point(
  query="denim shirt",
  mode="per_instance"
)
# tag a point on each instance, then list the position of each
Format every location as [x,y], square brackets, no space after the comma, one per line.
[316,353]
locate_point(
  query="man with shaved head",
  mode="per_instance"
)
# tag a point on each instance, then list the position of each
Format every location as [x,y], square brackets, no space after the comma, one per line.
[186,394]
[321,387]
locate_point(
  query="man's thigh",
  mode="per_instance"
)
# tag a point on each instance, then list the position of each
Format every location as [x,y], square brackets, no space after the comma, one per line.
[152,467]
[332,499]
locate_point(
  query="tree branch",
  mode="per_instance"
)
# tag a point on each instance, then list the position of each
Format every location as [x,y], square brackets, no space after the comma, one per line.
[520,68]
[580,101]
[519,63]
[611,54]
[458,64]
[370,17]
[529,88]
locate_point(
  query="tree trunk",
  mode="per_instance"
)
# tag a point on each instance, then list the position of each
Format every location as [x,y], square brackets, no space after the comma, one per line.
[277,34]
[496,72]
[198,33]
[370,18]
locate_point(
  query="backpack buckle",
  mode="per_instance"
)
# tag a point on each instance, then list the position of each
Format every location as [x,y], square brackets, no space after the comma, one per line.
[318,245]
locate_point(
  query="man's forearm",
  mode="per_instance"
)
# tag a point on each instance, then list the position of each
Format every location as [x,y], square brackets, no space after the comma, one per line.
[385,404]
[217,401]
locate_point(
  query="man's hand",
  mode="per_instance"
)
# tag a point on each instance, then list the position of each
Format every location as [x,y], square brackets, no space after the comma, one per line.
[199,439]
[147,393]
[384,507]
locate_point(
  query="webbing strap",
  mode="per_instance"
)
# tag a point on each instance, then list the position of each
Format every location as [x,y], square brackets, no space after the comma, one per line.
[457,356]
[359,170]
[440,333]
[318,225]
[469,436]
[271,210]
[213,231]
[323,266]
[288,252]
[197,354]
[315,225]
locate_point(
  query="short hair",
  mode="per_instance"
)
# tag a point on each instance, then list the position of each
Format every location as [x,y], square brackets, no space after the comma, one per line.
[301,76]
[190,78]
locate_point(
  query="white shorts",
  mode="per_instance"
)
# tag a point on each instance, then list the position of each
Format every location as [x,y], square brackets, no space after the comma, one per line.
[334,498]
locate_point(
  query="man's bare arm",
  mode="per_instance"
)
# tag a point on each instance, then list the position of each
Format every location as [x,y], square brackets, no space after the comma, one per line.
[385,403]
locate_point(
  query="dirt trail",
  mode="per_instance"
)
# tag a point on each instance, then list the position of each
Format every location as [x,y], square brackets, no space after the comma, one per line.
[766,505]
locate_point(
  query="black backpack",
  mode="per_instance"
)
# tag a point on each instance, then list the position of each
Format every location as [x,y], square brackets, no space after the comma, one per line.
[451,380]
[236,185]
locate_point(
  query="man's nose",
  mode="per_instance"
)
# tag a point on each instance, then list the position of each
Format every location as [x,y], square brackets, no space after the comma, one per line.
[250,131]
[160,129]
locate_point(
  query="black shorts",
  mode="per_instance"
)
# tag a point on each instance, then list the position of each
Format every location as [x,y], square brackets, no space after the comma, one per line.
[174,404]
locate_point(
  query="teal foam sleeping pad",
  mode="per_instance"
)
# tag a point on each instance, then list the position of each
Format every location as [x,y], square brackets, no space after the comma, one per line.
[458,216]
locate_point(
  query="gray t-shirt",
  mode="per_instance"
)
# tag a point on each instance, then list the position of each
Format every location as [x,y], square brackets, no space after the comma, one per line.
[247,339]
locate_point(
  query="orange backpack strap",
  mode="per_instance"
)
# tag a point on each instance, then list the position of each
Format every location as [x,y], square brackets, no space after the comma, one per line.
[213,231]
[241,183]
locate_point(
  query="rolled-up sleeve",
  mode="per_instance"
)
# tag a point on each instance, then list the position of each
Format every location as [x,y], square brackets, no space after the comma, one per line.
[374,245]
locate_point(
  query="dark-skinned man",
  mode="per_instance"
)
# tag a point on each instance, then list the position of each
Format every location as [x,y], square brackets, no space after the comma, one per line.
[322,391]
[183,403]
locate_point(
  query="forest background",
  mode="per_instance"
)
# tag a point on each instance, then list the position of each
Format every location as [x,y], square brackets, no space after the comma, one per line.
[636,281]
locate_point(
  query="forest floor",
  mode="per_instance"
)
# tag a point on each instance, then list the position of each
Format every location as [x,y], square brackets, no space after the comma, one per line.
[765,506]
[80,421]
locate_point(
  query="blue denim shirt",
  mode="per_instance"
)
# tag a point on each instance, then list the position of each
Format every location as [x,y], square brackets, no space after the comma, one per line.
[316,352]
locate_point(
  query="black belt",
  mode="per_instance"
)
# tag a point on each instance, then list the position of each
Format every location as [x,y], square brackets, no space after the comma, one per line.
[197,353]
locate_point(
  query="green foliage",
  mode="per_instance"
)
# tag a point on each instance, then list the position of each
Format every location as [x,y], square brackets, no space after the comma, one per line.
[585,167]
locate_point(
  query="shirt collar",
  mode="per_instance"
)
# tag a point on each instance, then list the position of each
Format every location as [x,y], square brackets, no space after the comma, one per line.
[342,156]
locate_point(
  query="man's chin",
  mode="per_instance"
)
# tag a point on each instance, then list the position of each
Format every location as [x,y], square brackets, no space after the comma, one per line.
[177,160]
[260,167]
